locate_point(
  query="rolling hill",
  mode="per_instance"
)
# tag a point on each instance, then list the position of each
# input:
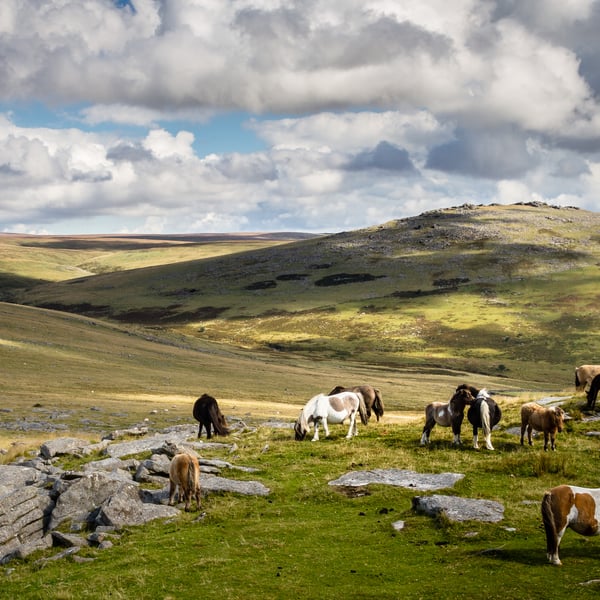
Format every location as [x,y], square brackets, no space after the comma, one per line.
[503,291]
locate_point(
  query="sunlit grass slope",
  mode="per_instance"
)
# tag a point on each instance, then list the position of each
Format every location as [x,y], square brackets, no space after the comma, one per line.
[498,290]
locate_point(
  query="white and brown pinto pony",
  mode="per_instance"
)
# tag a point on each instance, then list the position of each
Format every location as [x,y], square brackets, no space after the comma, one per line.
[184,477]
[549,420]
[331,409]
[584,375]
[568,506]
[447,414]
[592,393]
[371,395]
[484,413]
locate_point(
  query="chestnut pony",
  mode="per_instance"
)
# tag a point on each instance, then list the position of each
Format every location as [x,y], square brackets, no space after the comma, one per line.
[184,477]
[549,420]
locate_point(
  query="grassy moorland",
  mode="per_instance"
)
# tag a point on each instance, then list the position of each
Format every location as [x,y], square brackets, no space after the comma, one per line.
[503,297]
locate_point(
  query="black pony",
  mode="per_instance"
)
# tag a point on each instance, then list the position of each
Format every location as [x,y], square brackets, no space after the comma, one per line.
[593,393]
[484,413]
[207,412]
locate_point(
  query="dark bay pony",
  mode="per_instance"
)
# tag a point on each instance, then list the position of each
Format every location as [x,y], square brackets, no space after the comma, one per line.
[484,414]
[447,414]
[207,412]
[371,395]
[592,394]
[548,419]
[568,506]
[330,409]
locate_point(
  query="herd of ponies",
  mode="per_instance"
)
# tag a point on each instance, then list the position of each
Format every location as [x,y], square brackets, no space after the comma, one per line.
[563,507]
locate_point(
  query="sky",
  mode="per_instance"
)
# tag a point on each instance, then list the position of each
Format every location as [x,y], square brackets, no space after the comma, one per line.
[191,116]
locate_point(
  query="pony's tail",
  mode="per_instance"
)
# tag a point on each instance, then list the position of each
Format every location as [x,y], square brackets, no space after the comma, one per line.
[484,413]
[577,382]
[362,409]
[549,525]
[193,479]
[378,404]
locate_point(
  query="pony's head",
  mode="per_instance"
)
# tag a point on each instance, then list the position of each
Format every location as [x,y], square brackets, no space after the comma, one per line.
[300,427]
[460,399]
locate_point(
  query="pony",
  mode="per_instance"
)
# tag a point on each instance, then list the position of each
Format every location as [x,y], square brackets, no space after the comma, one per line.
[207,412]
[592,393]
[447,414]
[584,375]
[484,413]
[549,420]
[335,408]
[372,397]
[569,506]
[184,473]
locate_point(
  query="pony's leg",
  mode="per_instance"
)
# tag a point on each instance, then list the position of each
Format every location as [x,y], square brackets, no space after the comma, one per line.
[488,441]
[429,425]
[475,440]
[316,435]
[172,488]
[325,427]
[200,430]
[529,432]
[353,429]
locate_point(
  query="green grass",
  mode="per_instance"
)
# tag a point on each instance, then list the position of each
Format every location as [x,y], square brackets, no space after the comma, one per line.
[523,314]
[311,539]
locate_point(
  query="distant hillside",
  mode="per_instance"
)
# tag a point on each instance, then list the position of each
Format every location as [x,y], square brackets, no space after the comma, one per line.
[487,288]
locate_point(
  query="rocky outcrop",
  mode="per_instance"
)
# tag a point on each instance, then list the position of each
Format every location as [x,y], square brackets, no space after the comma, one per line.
[37,497]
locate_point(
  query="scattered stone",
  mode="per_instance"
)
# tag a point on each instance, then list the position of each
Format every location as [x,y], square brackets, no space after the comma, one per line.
[459,509]
[399,478]
[398,525]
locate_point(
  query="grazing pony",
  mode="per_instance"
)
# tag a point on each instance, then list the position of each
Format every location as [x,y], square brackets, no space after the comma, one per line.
[371,396]
[484,413]
[569,506]
[593,393]
[207,412]
[184,473]
[331,409]
[549,420]
[447,414]
[584,375]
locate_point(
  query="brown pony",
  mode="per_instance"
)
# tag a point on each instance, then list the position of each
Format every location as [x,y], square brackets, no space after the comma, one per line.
[447,414]
[371,395]
[584,375]
[207,412]
[549,420]
[567,506]
[592,394]
[185,473]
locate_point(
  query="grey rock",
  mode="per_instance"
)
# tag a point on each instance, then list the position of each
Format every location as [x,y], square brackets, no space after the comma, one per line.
[399,478]
[459,509]
[85,496]
[212,483]
[62,446]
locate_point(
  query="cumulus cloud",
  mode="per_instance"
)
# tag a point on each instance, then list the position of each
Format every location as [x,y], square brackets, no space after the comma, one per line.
[367,110]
